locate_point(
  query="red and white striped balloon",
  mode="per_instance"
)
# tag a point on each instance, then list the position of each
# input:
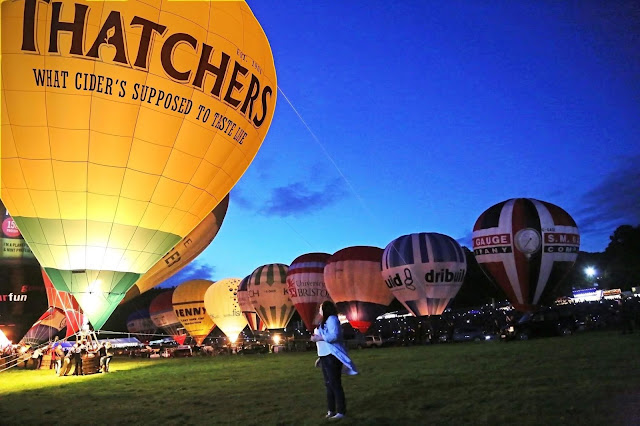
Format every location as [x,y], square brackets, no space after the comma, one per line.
[527,247]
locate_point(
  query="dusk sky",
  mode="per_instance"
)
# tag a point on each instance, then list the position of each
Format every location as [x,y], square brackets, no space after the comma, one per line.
[421,115]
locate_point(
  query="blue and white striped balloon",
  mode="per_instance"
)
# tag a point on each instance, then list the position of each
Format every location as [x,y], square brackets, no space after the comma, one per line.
[424,271]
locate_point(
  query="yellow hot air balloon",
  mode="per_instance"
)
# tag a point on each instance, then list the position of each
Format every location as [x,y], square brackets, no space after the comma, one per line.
[221,301]
[124,124]
[183,253]
[188,305]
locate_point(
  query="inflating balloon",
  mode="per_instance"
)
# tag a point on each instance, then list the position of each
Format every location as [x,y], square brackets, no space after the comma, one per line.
[267,288]
[254,321]
[305,281]
[123,125]
[162,315]
[526,246]
[140,325]
[22,293]
[46,328]
[188,305]
[352,276]
[221,301]
[424,271]
[183,253]
[67,303]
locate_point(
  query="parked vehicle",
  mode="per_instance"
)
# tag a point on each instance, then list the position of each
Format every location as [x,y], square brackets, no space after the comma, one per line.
[357,341]
[252,348]
[373,341]
[177,352]
[540,324]
[470,334]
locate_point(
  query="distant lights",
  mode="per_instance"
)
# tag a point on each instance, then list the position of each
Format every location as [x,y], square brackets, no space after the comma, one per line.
[3,340]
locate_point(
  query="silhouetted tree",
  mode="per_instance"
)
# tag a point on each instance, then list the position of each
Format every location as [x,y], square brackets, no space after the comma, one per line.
[622,257]
[577,278]
[477,289]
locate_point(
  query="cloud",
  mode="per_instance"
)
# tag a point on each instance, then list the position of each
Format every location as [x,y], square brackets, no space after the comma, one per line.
[299,198]
[239,198]
[466,241]
[612,25]
[613,201]
[193,271]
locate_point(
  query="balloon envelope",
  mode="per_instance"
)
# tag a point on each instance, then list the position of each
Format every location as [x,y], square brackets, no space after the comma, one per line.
[21,286]
[46,328]
[188,305]
[67,303]
[526,246]
[254,321]
[124,129]
[139,323]
[424,271]
[162,315]
[183,253]
[221,301]
[353,278]
[267,288]
[305,281]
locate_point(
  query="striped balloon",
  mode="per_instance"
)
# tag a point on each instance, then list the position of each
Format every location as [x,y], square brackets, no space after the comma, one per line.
[268,293]
[527,247]
[162,315]
[67,303]
[307,290]
[254,321]
[352,276]
[139,324]
[46,328]
[424,271]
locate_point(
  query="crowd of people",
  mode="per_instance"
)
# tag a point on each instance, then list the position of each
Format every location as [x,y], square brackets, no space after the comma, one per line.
[63,357]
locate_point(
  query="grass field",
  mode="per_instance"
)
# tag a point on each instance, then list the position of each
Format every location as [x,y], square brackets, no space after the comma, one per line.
[590,378]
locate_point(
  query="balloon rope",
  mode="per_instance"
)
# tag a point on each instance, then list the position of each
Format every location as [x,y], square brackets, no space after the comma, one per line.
[125,333]
[298,234]
[15,359]
[326,153]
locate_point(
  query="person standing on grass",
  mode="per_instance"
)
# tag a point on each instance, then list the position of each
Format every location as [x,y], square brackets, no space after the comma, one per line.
[102,352]
[66,362]
[52,352]
[333,359]
[37,358]
[77,358]
[59,356]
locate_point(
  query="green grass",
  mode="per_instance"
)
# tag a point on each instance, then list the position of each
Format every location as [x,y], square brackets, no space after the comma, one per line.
[591,378]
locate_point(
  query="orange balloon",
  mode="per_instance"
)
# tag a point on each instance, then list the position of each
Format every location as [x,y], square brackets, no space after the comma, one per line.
[353,278]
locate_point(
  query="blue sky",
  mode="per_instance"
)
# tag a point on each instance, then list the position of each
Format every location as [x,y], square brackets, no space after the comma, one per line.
[421,115]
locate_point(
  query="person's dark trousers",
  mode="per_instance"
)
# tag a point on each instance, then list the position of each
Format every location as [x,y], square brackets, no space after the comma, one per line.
[78,370]
[332,371]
